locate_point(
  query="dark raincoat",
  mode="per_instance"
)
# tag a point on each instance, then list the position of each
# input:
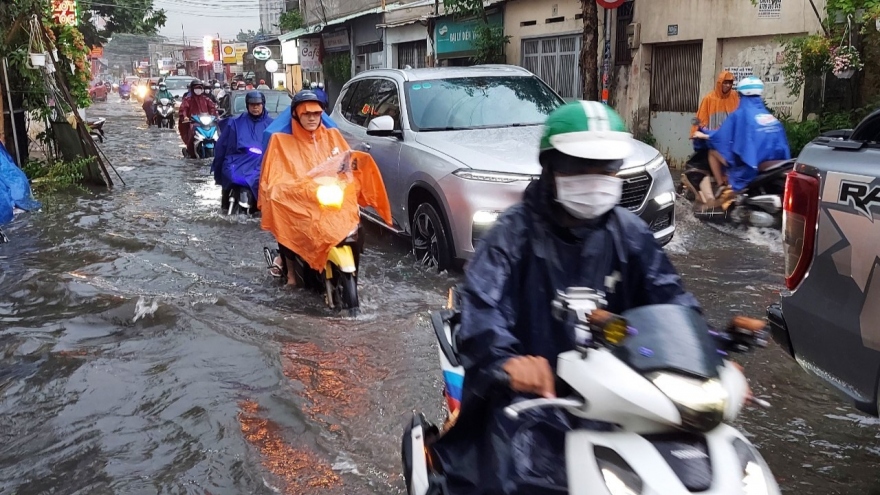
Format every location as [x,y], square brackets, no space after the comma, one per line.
[749,136]
[509,287]
[234,161]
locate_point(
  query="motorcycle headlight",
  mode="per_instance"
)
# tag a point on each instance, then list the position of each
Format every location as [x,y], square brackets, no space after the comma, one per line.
[754,475]
[330,195]
[620,478]
[701,403]
[205,120]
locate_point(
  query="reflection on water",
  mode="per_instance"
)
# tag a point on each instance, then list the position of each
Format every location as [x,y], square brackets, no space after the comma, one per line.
[144,349]
[299,471]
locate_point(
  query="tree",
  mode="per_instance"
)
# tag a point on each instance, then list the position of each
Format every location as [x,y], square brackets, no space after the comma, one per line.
[291,21]
[244,37]
[490,40]
[589,62]
[119,16]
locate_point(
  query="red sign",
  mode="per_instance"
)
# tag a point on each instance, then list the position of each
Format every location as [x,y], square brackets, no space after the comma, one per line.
[97,52]
[64,12]
[610,4]
[216,49]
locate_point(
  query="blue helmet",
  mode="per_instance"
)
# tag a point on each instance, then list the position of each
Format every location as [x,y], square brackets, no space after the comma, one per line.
[304,96]
[254,97]
[750,86]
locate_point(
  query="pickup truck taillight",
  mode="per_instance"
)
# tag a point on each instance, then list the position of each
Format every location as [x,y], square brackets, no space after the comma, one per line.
[799,218]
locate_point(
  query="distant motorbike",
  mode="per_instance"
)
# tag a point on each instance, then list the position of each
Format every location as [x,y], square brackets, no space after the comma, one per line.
[96,129]
[669,407]
[759,205]
[206,134]
[125,93]
[164,115]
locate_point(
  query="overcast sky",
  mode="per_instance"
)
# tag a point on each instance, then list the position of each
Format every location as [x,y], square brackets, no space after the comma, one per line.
[207,17]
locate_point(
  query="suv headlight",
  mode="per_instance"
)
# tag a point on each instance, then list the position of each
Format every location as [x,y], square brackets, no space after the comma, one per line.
[701,403]
[489,176]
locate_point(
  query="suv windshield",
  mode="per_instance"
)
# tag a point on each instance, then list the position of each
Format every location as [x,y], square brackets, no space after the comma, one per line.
[177,83]
[478,102]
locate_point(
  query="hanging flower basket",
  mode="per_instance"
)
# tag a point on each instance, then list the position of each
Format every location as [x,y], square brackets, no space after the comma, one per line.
[37,60]
[845,61]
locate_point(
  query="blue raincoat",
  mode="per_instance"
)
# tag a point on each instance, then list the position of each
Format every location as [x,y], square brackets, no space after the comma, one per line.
[237,161]
[15,190]
[506,312]
[749,136]
[282,124]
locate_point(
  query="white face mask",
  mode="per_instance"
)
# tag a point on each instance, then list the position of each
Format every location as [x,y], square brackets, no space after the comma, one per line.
[198,91]
[588,196]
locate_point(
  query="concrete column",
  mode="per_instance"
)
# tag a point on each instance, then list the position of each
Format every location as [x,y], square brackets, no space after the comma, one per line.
[709,64]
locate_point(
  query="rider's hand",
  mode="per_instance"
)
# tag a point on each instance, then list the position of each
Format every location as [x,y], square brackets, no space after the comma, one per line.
[701,135]
[531,374]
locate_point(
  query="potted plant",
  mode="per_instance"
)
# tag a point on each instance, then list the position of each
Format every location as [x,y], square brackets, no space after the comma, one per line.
[845,61]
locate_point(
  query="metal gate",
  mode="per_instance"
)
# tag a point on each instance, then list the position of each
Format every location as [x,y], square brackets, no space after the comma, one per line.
[555,60]
[675,97]
[412,54]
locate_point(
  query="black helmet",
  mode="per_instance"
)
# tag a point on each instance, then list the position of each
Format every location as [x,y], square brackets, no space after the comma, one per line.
[194,83]
[254,97]
[304,96]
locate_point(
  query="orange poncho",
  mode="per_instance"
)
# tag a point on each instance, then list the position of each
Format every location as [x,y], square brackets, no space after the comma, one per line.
[716,106]
[288,191]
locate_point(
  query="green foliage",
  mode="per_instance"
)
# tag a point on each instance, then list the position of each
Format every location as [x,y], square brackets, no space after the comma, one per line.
[291,21]
[52,176]
[337,67]
[648,139]
[249,35]
[801,133]
[804,56]
[118,16]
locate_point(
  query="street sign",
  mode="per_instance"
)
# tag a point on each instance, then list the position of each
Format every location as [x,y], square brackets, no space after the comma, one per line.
[218,67]
[610,4]
[271,66]
[262,52]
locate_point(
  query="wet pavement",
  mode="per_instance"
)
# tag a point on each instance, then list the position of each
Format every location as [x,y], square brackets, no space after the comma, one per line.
[145,349]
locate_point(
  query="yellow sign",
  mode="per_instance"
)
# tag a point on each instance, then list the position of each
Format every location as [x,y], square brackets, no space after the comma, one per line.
[227,53]
[240,50]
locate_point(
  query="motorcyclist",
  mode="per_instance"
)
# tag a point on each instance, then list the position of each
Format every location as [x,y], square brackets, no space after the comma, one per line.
[194,103]
[148,104]
[567,232]
[319,90]
[218,92]
[313,143]
[713,111]
[235,161]
[263,85]
[125,87]
[750,136]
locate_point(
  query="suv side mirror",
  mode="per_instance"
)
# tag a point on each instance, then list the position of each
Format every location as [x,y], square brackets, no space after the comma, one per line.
[383,127]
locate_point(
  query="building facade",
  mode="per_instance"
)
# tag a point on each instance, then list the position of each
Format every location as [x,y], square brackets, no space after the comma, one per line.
[270,15]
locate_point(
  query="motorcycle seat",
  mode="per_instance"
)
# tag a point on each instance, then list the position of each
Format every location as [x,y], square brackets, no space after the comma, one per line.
[770,165]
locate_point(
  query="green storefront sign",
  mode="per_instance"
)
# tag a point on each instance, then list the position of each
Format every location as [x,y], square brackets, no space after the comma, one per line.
[456,38]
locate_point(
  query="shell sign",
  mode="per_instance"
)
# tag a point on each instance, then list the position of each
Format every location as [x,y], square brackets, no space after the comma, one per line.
[227,53]
[64,12]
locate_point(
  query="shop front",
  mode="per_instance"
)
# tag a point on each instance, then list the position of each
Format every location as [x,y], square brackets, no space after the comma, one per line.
[456,39]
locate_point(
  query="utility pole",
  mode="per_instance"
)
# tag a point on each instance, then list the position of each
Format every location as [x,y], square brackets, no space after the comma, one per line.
[590,50]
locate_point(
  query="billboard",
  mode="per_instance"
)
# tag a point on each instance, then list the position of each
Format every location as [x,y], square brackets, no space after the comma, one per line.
[240,50]
[227,53]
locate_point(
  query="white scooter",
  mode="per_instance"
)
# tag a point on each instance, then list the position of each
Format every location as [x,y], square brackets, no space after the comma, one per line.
[656,376]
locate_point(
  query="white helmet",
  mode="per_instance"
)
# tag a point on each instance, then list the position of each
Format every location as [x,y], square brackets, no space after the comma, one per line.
[313,85]
[750,86]
[320,85]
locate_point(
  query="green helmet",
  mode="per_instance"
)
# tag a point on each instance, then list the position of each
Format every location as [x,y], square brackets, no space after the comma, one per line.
[587,129]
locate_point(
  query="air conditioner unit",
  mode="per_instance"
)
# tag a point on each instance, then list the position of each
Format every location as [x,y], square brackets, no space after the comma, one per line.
[633,35]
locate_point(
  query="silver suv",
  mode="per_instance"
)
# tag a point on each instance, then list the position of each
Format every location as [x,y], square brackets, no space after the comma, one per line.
[457,146]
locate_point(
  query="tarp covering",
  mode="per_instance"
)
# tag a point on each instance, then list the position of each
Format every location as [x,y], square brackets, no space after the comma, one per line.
[15,190]
[294,167]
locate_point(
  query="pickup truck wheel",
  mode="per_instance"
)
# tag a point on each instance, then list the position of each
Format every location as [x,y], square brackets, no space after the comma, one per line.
[429,238]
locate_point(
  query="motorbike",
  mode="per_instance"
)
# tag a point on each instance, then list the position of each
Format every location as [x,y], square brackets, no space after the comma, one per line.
[655,376]
[206,134]
[163,117]
[758,205]
[96,129]
[239,199]
[125,93]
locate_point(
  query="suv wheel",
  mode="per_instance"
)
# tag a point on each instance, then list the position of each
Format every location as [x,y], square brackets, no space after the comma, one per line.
[429,240]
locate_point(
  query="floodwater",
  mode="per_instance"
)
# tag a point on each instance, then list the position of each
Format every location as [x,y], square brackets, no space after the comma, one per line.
[145,349]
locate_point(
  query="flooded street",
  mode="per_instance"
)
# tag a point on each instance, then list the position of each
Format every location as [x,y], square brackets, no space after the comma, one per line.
[145,349]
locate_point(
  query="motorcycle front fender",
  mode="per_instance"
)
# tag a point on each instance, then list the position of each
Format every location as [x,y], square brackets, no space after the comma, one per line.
[343,258]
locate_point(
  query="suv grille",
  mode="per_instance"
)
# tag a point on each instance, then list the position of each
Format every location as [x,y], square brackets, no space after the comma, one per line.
[635,189]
